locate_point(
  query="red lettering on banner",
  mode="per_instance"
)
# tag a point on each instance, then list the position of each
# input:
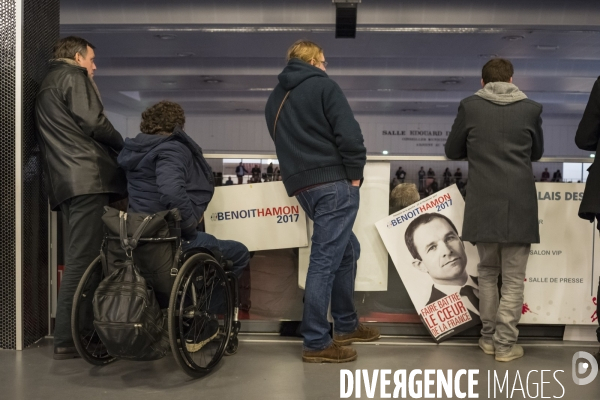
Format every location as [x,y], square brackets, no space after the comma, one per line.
[295,210]
[286,210]
[261,212]
[268,212]
[445,314]
[278,211]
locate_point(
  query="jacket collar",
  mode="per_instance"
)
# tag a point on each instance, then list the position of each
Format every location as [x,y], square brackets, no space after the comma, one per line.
[58,62]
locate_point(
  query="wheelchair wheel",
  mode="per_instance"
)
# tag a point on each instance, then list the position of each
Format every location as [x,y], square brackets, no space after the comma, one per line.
[86,339]
[200,315]
[232,346]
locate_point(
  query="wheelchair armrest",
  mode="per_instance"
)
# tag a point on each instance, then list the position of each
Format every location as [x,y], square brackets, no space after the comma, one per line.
[196,250]
[227,265]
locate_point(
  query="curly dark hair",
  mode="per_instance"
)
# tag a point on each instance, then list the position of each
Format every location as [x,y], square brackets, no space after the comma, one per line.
[162,118]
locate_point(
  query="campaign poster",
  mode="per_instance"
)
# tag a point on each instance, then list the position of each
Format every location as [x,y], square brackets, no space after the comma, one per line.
[438,269]
[260,215]
[563,269]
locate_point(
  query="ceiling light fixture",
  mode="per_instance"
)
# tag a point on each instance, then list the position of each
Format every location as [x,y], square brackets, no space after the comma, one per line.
[593,155]
[186,54]
[384,152]
[303,28]
[384,90]
[166,36]
[451,81]
[168,82]
[261,89]
[546,47]
[491,55]
[512,38]
[212,80]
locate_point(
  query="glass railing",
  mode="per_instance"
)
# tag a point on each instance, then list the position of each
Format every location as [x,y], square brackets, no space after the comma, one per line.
[270,291]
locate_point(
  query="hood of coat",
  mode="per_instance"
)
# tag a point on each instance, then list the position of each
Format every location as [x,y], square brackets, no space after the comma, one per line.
[135,149]
[501,93]
[296,72]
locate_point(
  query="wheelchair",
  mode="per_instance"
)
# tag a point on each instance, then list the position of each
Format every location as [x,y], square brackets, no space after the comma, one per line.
[191,280]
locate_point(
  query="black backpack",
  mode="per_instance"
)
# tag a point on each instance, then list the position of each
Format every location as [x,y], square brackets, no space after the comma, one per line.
[127,316]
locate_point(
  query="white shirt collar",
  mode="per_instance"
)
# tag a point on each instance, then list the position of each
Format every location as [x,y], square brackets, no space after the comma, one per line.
[449,289]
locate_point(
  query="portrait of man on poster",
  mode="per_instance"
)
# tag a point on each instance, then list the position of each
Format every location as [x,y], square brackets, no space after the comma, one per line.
[437,250]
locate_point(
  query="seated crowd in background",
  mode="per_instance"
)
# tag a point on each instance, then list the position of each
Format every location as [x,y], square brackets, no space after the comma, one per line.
[427,182]
[256,175]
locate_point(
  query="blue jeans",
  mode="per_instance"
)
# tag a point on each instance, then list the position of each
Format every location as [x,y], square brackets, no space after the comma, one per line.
[230,249]
[332,270]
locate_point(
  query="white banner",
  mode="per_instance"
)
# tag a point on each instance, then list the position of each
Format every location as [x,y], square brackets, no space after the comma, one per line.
[261,216]
[437,268]
[562,272]
[374,205]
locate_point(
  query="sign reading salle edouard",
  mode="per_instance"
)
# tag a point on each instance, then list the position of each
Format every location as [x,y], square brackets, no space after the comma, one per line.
[417,138]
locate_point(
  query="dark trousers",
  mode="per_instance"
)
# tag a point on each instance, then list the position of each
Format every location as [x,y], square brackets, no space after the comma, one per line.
[598,291]
[598,311]
[84,224]
[231,250]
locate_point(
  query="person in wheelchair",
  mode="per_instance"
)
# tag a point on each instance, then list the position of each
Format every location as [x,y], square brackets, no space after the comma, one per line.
[165,169]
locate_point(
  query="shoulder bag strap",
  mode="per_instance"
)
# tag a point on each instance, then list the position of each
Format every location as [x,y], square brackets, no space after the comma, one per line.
[130,243]
[278,111]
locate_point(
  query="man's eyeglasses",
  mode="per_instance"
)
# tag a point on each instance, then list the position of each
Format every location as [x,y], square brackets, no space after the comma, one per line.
[322,62]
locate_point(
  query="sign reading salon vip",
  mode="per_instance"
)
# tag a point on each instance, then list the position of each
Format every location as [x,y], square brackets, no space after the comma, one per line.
[261,216]
[562,273]
[437,268]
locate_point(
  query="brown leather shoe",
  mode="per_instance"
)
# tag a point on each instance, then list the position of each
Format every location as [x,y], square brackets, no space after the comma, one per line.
[361,334]
[332,354]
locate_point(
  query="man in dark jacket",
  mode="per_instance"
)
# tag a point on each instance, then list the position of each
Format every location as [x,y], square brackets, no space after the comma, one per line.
[79,148]
[166,169]
[421,175]
[240,171]
[588,138]
[320,149]
[400,175]
[499,131]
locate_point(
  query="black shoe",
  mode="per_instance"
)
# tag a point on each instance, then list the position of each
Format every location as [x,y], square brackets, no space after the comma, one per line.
[201,330]
[65,353]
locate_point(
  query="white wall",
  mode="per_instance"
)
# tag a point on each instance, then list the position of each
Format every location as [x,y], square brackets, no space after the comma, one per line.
[248,133]
[118,121]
